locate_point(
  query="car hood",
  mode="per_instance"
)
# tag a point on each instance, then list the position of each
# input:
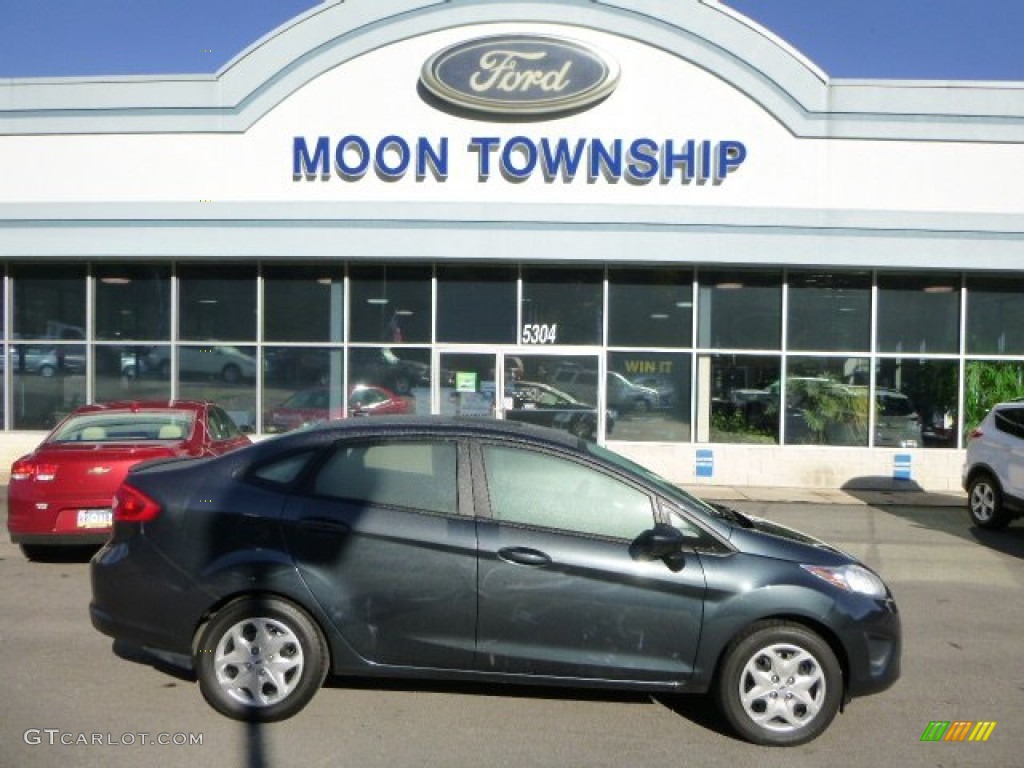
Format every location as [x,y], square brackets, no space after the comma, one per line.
[769,539]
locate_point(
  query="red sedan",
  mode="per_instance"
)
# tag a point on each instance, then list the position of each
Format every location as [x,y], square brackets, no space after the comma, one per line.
[310,406]
[61,493]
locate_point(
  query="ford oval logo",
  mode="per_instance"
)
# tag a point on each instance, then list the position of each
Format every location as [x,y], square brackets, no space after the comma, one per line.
[520,75]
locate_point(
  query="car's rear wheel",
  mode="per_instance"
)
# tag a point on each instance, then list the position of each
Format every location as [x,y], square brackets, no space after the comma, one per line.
[985,503]
[780,684]
[260,659]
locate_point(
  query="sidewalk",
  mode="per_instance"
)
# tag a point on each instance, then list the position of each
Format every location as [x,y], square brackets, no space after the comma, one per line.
[874,498]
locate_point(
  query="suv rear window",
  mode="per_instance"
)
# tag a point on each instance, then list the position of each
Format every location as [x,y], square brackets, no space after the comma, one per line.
[1011,421]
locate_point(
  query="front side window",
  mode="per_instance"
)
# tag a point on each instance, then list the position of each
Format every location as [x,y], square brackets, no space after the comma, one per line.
[539,489]
[414,475]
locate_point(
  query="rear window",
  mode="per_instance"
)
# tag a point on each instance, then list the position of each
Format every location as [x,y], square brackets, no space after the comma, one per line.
[126,426]
[1010,421]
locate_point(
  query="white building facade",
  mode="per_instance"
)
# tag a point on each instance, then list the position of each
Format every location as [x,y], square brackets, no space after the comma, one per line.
[739,271]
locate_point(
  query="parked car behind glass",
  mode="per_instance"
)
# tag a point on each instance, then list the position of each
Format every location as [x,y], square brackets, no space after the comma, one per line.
[482,550]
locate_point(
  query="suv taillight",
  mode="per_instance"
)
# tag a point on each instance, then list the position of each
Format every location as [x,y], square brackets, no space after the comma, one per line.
[30,470]
[133,506]
[974,433]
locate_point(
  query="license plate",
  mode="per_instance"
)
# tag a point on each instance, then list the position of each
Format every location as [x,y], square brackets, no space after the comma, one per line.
[95,518]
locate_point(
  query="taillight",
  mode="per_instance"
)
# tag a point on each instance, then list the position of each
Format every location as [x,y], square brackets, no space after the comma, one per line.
[26,469]
[133,506]
[974,433]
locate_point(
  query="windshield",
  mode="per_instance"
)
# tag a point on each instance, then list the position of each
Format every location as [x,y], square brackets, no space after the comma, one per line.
[126,426]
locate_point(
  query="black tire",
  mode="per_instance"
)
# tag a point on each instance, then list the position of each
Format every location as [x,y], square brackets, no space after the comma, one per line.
[37,552]
[402,384]
[780,684]
[985,503]
[231,374]
[47,371]
[264,642]
[581,427]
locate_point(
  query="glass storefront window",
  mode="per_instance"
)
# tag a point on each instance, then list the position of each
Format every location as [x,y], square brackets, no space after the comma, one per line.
[476,305]
[48,382]
[303,304]
[223,373]
[736,399]
[131,372]
[49,301]
[390,304]
[915,403]
[217,303]
[649,392]
[826,401]
[133,303]
[995,315]
[558,391]
[403,371]
[740,309]
[302,385]
[918,313]
[562,306]
[987,382]
[829,312]
[650,307]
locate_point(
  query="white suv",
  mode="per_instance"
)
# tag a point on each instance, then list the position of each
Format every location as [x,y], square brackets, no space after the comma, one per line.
[993,474]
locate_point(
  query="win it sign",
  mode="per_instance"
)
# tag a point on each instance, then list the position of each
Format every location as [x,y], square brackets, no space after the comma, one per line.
[958,730]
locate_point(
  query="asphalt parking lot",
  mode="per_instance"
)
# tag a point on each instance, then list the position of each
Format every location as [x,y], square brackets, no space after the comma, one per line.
[70,700]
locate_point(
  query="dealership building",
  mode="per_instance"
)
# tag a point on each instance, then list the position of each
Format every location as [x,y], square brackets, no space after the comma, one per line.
[652,223]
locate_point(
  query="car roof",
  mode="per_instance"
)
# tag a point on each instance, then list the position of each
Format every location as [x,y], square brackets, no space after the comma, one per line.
[143,405]
[408,425]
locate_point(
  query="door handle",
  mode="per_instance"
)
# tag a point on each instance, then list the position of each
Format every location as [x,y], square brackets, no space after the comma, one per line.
[523,556]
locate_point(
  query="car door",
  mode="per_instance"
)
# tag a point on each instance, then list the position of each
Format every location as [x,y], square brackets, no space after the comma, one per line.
[386,542]
[559,593]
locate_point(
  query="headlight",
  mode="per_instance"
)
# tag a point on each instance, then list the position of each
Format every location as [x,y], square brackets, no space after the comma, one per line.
[852,578]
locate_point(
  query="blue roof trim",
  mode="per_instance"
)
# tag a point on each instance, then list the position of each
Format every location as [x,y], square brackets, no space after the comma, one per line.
[710,35]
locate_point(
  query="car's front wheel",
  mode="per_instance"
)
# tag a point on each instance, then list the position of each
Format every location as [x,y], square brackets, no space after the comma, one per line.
[780,684]
[985,503]
[260,659]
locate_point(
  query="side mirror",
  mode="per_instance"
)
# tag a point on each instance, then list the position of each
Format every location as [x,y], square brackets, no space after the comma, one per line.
[662,542]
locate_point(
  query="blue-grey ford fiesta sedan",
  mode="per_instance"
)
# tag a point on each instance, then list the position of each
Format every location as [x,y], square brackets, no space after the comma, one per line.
[482,550]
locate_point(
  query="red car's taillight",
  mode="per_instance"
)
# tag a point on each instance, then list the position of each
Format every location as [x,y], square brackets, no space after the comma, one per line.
[26,469]
[133,506]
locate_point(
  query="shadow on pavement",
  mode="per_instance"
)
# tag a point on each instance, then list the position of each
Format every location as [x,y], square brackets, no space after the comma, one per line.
[952,519]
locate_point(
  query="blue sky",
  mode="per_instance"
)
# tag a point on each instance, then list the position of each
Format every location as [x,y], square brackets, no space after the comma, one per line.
[896,39]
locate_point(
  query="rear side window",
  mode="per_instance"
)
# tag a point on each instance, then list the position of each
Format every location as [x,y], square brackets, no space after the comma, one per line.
[418,475]
[221,425]
[1011,421]
[282,471]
